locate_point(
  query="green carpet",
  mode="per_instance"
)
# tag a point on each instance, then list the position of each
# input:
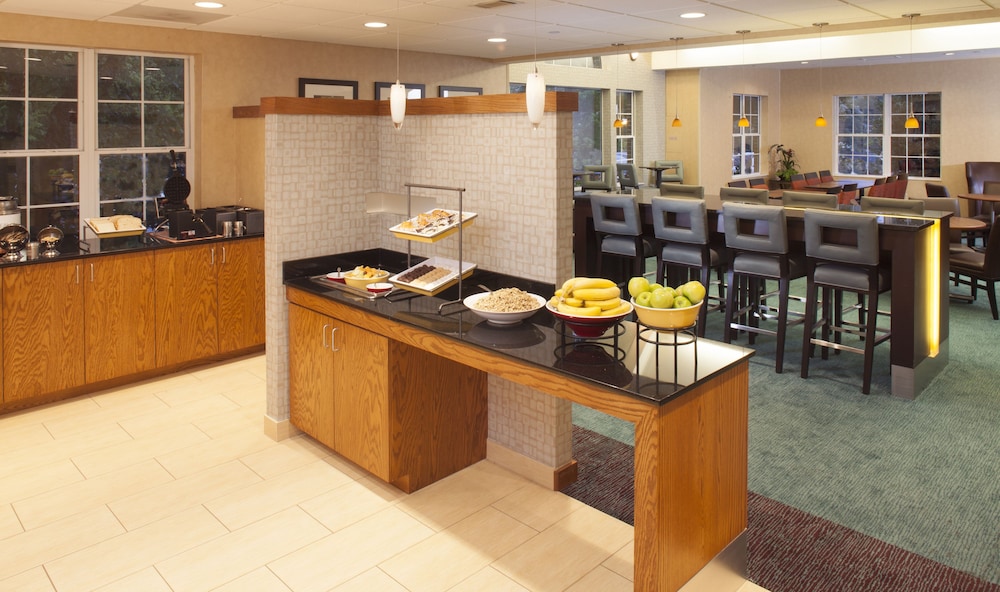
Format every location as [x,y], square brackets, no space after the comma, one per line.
[920,474]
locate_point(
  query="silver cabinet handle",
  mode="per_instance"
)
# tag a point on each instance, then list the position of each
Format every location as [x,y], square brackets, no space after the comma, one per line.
[333,346]
[223,255]
[213,256]
[91,273]
[77,273]
[324,334]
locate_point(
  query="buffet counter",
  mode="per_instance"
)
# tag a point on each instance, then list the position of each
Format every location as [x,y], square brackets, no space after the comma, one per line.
[688,402]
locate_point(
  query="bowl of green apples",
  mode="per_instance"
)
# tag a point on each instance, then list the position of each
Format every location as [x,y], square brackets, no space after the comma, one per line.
[663,307]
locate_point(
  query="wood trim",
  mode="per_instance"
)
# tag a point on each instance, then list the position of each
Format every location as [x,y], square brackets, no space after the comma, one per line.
[485,104]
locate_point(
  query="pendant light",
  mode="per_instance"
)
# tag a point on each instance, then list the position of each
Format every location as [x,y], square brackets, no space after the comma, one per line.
[743,122]
[397,92]
[535,88]
[820,121]
[911,121]
[677,120]
[619,121]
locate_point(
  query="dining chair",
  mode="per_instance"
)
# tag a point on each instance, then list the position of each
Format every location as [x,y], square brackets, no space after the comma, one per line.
[826,176]
[618,227]
[980,267]
[809,199]
[891,205]
[739,183]
[758,183]
[946,204]
[757,241]
[675,177]
[681,227]
[899,189]
[848,193]
[681,190]
[841,265]
[798,181]
[601,179]
[936,190]
[977,174]
[811,178]
[627,178]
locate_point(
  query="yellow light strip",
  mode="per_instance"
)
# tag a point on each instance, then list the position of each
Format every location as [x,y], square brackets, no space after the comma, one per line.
[932,259]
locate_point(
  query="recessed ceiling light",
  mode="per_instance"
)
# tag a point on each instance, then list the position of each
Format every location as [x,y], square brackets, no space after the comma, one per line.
[804,62]
[693,15]
[376,25]
[949,53]
[497,40]
[209,4]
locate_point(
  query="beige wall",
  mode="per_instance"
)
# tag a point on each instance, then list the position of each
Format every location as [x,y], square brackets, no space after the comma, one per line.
[683,87]
[969,89]
[234,70]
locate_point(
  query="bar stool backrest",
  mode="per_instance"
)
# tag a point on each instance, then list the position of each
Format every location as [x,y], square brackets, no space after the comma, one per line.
[863,227]
[809,199]
[690,220]
[615,214]
[679,190]
[745,195]
[753,227]
[891,204]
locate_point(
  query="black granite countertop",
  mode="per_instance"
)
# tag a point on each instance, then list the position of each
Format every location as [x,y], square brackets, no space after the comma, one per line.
[627,357]
[71,248]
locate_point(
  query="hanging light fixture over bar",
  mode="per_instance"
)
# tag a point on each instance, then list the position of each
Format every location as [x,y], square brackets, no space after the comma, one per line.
[619,122]
[821,121]
[911,120]
[535,86]
[743,122]
[397,92]
[677,120]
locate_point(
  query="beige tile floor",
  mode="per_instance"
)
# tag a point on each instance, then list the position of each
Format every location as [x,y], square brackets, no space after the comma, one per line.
[171,485]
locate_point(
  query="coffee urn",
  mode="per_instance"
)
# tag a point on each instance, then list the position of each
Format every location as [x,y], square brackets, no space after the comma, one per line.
[9,213]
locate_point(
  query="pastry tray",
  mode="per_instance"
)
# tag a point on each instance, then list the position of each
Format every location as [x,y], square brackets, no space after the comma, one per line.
[438,285]
[335,285]
[130,232]
[433,232]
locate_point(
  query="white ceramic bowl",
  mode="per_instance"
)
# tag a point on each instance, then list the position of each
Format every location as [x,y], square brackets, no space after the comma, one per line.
[379,287]
[502,318]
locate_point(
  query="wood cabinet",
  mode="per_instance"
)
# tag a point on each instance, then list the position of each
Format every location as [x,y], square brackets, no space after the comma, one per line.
[43,340]
[407,416]
[241,294]
[187,325]
[119,320]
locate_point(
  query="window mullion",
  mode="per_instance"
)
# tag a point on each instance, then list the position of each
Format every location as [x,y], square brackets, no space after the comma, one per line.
[89,159]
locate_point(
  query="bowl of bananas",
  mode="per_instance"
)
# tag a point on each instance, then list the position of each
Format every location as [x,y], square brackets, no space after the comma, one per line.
[589,306]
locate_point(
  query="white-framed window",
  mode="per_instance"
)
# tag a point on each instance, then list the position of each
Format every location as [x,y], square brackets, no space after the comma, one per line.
[86,132]
[866,145]
[625,135]
[746,140]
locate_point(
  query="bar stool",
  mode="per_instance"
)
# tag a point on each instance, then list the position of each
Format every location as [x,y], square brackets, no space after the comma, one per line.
[892,205]
[836,267]
[681,226]
[681,190]
[757,239]
[809,199]
[619,230]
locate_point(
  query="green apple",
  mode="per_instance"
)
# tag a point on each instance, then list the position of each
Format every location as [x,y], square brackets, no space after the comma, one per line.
[681,302]
[637,285]
[661,298]
[643,298]
[694,291]
[653,286]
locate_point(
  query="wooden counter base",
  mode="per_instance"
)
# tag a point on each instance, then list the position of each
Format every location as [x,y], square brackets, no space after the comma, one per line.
[690,453]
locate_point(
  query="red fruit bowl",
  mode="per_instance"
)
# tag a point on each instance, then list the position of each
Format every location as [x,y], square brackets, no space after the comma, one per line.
[588,326]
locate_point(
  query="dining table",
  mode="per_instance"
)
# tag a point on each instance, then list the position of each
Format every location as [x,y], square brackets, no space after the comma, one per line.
[987,197]
[658,171]
[837,185]
[914,247]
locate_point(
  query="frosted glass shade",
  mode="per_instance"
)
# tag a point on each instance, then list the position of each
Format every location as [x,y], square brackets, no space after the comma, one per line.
[397,104]
[535,95]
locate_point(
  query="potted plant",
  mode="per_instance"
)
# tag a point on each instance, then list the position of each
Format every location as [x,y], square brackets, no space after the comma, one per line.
[783,163]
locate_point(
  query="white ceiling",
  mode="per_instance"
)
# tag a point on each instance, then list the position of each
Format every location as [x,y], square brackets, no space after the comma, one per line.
[564,27]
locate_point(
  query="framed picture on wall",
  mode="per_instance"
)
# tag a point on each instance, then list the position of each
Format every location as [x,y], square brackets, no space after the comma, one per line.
[413,91]
[317,88]
[459,91]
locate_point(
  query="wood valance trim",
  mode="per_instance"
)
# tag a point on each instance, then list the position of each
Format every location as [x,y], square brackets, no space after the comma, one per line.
[473,105]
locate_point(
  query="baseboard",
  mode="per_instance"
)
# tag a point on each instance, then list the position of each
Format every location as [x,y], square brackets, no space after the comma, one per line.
[554,478]
[279,430]
[726,572]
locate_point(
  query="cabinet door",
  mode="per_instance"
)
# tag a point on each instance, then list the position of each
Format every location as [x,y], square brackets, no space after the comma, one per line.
[361,395]
[43,341]
[119,324]
[241,294]
[186,304]
[311,373]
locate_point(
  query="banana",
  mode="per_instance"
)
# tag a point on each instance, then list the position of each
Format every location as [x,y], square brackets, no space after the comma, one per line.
[588,282]
[573,301]
[604,304]
[620,309]
[585,311]
[604,293]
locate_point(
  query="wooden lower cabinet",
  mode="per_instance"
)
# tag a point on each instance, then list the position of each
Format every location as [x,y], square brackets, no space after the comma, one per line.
[241,294]
[43,339]
[407,416]
[187,325]
[119,321]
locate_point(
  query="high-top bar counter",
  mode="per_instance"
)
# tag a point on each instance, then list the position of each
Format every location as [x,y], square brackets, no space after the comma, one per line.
[690,418]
